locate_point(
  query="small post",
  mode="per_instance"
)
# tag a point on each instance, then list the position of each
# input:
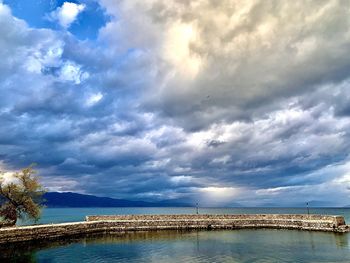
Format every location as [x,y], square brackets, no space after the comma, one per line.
[307,206]
[197,208]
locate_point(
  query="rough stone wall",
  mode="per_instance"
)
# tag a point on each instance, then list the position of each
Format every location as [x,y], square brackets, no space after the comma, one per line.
[5,224]
[102,224]
[336,220]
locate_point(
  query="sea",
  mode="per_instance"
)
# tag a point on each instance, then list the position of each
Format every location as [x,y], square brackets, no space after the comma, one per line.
[262,246]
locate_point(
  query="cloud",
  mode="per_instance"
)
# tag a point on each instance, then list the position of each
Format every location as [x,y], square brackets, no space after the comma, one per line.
[72,72]
[224,62]
[93,99]
[218,104]
[67,13]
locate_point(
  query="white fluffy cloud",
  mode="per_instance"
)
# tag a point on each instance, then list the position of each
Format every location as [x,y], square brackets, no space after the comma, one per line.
[229,60]
[67,13]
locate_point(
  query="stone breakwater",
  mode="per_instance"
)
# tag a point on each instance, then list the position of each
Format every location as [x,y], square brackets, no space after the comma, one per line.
[121,223]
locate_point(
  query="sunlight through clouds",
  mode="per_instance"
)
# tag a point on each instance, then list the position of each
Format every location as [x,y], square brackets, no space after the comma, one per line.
[177,49]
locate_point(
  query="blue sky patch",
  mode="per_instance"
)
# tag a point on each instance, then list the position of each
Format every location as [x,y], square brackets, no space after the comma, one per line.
[36,13]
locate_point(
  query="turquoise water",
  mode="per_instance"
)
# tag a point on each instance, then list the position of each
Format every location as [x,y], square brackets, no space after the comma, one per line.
[261,246]
[60,215]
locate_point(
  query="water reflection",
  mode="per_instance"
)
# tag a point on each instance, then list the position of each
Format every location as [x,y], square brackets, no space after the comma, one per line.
[187,246]
[342,240]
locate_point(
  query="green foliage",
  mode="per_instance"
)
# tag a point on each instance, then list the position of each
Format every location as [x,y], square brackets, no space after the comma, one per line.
[21,198]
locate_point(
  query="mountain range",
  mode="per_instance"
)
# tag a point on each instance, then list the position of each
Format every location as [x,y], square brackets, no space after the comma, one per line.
[68,199]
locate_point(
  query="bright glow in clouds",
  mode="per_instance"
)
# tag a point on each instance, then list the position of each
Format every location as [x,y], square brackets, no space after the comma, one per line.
[219,195]
[177,49]
[67,13]
[6,175]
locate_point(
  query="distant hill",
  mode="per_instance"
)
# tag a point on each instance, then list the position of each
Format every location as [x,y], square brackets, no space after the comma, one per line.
[68,199]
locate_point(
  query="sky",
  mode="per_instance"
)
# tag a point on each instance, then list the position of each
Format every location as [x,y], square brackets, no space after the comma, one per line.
[223,102]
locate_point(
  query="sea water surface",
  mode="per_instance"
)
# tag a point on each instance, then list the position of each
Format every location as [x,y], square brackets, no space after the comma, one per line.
[262,246]
[259,246]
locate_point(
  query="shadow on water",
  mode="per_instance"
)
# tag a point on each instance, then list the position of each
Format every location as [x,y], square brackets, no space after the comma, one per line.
[239,244]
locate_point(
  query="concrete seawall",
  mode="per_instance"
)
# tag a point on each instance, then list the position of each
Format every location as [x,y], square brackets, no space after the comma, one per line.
[109,224]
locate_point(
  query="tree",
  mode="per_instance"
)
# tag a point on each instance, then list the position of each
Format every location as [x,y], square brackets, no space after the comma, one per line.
[22,197]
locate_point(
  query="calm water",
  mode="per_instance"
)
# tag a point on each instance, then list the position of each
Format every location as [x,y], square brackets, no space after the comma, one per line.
[196,246]
[185,246]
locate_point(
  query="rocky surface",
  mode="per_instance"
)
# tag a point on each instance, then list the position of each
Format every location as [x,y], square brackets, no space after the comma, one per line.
[104,224]
[6,224]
